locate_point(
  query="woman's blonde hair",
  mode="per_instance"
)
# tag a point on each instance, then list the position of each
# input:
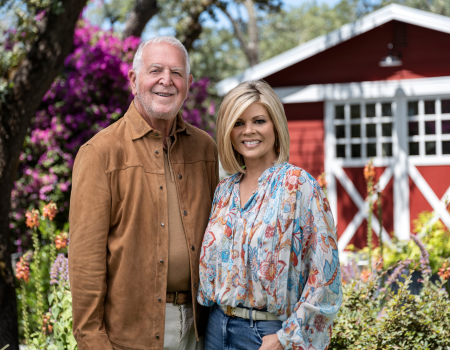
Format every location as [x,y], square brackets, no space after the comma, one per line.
[234,104]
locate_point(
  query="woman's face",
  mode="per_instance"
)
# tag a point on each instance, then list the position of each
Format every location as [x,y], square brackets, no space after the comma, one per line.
[253,134]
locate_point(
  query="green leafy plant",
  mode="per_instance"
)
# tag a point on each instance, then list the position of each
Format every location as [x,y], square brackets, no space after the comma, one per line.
[377,318]
[432,233]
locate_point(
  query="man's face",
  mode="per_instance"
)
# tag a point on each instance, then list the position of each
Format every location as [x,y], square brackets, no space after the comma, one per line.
[162,83]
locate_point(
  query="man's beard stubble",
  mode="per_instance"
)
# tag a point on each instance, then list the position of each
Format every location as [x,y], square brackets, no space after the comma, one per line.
[148,104]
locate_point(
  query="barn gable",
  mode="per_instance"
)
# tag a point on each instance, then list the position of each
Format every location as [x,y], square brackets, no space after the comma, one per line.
[377,25]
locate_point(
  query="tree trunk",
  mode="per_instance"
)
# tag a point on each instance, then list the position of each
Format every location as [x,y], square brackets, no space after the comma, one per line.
[142,12]
[33,78]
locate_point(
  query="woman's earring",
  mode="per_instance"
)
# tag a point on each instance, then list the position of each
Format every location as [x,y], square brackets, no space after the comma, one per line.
[277,145]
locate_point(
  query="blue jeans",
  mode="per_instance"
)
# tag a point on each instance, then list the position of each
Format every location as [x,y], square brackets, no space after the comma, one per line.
[234,333]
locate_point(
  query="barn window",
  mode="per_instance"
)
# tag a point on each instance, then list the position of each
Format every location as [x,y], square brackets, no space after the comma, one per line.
[363,130]
[428,127]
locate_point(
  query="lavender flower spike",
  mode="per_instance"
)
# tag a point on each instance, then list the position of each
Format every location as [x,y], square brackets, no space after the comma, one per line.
[60,270]
[396,274]
[424,255]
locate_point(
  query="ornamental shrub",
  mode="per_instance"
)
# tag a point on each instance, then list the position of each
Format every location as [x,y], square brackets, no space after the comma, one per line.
[372,317]
[91,93]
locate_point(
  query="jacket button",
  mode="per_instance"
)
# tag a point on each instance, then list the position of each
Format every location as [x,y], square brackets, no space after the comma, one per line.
[157,336]
[195,285]
[192,247]
[162,223]
[157,152]
[159,299]
[185,213]
[160,187]
[161,261]
[180,176]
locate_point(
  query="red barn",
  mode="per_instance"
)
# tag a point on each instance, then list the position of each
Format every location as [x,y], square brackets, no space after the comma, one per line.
[377,88]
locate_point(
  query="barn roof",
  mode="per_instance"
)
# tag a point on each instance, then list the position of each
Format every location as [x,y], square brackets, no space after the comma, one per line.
[297,54]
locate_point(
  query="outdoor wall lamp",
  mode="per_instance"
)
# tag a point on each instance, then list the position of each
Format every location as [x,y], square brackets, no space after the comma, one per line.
[390,60]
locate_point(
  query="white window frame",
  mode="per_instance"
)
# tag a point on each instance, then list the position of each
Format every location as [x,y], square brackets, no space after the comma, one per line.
[438,137]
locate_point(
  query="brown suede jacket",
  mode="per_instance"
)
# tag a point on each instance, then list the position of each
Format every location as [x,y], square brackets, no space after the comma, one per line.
[118,229]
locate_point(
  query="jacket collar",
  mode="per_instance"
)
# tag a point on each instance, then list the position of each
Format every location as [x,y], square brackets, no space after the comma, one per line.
[138,127]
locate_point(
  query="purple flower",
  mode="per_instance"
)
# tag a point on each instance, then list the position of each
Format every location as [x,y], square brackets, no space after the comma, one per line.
[424,255]
[59,272]
[396,274]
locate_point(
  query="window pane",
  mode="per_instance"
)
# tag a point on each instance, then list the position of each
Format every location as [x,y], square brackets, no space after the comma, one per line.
[340,131]
[356,130]
[446,126]
[413,108]
[370,110]
[371,130]
[413,148]
[340,151]
[355,111]
[429,107]
[386,110]
[356,151]
[445,106]
[387,149]
[430,127]
[413,128]
[339,112]
[430,148]
[386,129]
[371,150]
[445,147]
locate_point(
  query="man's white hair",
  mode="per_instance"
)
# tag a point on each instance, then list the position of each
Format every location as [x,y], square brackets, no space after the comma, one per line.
[137,61]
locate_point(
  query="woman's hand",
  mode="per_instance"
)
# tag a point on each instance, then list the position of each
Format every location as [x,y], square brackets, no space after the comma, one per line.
[271,342]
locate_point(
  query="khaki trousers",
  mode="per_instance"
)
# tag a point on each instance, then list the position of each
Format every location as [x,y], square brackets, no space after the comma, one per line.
[179,331]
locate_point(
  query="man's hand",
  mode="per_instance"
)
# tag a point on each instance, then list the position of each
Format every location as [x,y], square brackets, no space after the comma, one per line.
[271,342]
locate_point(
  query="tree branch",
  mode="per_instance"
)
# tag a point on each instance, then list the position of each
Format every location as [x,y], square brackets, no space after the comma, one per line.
[239,34]
[250,48]
[192,28]
[142,12]
[253,42]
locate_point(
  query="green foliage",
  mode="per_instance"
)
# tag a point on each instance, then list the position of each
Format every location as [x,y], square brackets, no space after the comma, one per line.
[373,318]
[291,27]
[217,55]
[61,316]
[432,233]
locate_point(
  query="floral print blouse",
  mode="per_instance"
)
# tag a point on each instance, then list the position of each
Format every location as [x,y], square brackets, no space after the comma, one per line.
[279,251]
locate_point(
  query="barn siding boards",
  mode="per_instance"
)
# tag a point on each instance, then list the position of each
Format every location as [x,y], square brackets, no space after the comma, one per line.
[356,60]
[306,131]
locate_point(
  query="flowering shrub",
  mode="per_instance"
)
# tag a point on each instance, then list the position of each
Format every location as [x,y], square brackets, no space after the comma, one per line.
[372,317]
[91,93]
[41,329]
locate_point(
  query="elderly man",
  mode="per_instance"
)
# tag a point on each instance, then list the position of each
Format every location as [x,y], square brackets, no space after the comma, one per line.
[141,197]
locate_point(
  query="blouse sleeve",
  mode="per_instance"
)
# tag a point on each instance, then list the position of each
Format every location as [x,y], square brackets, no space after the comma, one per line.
[320,294]
[204,289]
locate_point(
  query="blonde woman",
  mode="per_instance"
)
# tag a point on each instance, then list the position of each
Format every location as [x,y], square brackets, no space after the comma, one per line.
[269,265]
